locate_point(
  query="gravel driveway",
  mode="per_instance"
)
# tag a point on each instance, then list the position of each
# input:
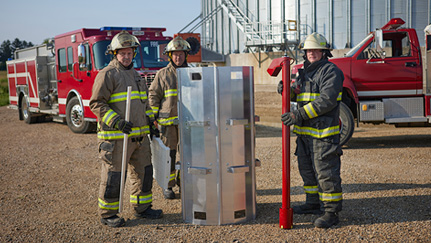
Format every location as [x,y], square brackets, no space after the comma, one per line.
[50,177]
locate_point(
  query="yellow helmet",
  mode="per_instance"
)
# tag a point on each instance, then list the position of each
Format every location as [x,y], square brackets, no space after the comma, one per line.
[178,44]
[315,41]
[123,40]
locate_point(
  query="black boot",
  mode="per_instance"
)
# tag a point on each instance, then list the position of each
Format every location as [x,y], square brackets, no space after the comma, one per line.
[307,208]
[169,194]
[150,213]
[113,221]
[327,220]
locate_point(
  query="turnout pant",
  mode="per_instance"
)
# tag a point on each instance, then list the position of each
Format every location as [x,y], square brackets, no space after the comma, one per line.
[139,174]
[170,139]
[319,166]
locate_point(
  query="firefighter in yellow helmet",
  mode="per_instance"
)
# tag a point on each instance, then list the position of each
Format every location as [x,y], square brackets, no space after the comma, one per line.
[108,103]
[318,93]
[163,101]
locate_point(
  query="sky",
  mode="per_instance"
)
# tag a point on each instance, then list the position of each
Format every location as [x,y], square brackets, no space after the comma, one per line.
[36,20]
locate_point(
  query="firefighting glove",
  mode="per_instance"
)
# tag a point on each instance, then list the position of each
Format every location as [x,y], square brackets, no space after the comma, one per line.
[291,118]
[154,132]
[280,87]
[124,126]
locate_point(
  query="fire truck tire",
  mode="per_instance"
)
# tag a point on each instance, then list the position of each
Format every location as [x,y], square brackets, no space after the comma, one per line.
[347,124]
[25,112]
[75,119]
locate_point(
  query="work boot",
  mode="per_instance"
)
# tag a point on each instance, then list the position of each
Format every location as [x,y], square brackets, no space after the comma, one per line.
[327,220]
[113,221]
[150,213]
[307,208]
[168,193]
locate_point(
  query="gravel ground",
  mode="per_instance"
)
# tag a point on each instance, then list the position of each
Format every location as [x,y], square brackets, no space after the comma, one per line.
[50,177]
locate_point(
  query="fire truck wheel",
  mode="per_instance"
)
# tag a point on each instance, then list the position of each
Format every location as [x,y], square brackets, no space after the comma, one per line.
[25,112]
[74,117]
[347,124]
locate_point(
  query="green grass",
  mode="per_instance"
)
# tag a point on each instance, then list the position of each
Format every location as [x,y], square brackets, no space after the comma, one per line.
[4,93]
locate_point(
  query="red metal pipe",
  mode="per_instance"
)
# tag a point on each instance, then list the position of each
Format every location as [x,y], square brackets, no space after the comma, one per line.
[286,213]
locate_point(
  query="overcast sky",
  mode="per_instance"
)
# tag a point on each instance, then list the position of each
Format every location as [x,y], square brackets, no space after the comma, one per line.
[36,20]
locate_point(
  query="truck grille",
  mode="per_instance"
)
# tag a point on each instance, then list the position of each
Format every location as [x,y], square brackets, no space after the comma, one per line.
[148,78]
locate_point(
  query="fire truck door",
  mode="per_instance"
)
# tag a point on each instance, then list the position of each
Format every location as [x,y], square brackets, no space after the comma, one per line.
[396,74]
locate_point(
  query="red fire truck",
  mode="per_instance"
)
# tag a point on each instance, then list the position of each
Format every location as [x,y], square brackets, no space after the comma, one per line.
[54,81]
[386,79]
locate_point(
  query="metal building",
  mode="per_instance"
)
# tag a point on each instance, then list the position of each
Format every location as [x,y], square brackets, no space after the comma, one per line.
[241,26]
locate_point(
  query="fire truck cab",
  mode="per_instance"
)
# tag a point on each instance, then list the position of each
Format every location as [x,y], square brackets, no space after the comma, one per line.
[55,80]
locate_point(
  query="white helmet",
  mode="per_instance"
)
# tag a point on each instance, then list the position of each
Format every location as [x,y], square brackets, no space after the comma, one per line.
[123,40]
[178,44]
[315,41]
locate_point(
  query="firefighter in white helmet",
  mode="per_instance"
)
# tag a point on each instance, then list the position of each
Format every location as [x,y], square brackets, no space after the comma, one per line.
[318,92]
[163,101]
[108,103]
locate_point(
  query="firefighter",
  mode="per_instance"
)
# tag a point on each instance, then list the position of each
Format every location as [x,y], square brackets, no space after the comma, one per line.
[163,100]
[318,92]
[108,103]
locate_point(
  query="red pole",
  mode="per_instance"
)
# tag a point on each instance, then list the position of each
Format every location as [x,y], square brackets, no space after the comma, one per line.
[286,213]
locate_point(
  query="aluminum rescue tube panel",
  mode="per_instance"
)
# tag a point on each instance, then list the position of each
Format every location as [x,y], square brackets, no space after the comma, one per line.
[217,144]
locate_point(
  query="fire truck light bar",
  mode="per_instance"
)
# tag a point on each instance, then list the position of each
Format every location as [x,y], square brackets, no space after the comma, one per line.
[111,28]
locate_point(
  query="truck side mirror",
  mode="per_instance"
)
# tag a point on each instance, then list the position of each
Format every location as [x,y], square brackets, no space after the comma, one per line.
[378,38]
[81,54]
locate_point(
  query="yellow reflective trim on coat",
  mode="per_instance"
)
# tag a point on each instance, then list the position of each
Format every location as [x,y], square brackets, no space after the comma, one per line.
[122,96]
[170,92]
[172,177]
[314,96]
[108,206]
[150,113]
[311,189]
[141,199]
[331,197]
[108,116]
[309,109]
[117,134]
[317,133]
[167,121]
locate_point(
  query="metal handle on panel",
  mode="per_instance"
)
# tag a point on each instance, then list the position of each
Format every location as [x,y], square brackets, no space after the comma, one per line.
[237,122]
[198,123]
[238,169]
[199,170]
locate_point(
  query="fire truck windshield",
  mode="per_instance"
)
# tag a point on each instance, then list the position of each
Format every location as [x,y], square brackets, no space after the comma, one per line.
[152,54]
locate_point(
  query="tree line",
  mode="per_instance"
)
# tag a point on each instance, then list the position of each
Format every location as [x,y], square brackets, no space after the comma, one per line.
[7,50]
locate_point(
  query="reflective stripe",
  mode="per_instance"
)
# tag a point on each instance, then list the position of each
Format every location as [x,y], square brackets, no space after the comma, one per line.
[150,113]
[317,133]
[331,197]
[136,131]
[313,96]
[155,109]
[109,206]
[141,199]
[310,189]
[309,109]
[108,116]
[170,92]
[167,121]
[117,97]
[172,177]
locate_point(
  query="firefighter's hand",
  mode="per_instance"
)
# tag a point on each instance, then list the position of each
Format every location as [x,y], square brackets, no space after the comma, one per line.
[124,126]
[280,87]
[291,118]
[154,132]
